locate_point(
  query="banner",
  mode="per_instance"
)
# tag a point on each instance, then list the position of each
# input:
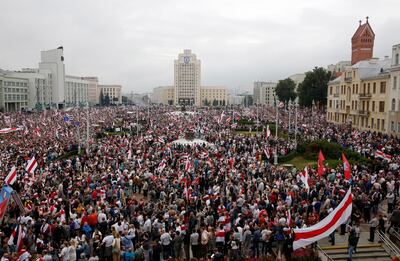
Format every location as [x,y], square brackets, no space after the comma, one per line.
[309,235]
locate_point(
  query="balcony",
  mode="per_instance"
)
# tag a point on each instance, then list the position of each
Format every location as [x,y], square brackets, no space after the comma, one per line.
[348,79]
[364,96]
[336,95]
[363,113]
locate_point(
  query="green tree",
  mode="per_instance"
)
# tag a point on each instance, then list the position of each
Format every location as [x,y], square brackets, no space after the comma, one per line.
[314,87]
[101,99]
[107,100]
[285,90]
[248,100]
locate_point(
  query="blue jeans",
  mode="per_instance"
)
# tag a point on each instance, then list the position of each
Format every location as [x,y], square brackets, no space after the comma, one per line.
[351,248]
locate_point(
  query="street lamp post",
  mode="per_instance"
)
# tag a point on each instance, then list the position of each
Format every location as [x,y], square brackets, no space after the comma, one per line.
[87,127]
[289,120]
[276,133]
[295,125]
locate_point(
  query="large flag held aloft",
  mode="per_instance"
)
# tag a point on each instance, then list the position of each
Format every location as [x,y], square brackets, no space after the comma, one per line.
[309,235]
[31,166]
[11,177]
[346,167]
[321,159]
[5,195]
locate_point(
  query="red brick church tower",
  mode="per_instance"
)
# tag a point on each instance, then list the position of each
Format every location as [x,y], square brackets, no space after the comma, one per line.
[362,43]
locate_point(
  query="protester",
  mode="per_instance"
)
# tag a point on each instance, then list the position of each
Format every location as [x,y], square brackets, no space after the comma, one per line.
[134,192]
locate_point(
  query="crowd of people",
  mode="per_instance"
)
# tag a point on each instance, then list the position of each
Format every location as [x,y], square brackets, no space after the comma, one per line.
[121,189]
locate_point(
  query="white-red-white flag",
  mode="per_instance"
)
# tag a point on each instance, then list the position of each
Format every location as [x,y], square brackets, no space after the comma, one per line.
[37,132]
[289,217]
[129,154]
[11,177]
[309,235]
[268,132]
[31,166]
[162,166]
[8,130]
[266,152]
[187,165]
[381,154]
[304,177]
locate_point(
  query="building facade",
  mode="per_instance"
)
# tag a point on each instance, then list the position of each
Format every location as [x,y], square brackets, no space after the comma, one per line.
[113,91]
[13,92]
[213,95]
[367,94]
[76,91]
[359,96]
[93,90]
[52,65]
[47,87]
[187,79]
[264,93]
[163,95]
[187,89]
[394,92]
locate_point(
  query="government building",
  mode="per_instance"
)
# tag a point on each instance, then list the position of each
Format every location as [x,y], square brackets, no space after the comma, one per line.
[366,93]
[48,86]
[187,88]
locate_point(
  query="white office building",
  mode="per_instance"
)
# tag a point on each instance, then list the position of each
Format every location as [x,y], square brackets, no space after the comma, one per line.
[187,89]
[264,92]
[52,65]
[187,77]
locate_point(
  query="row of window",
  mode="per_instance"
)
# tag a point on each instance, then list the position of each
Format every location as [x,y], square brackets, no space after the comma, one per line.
[16,97]
[18,84]
[366,88]
[364,105]
[393,126]
[16,90]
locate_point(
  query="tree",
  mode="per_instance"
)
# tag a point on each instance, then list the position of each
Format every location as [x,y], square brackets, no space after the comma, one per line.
[285,90]
[101,99]
[314,87]
[248,100]
[107,100]
[215,103]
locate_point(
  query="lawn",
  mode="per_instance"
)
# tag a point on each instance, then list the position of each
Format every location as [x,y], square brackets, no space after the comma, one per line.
[299,162]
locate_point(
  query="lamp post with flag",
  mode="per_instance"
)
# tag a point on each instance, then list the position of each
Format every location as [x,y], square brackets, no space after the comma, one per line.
[87,127]
[289,103]
[276,132]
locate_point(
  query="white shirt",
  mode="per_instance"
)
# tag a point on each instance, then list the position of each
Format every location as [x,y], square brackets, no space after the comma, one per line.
[165,239]
[64,254]
[108,240]
[101,216]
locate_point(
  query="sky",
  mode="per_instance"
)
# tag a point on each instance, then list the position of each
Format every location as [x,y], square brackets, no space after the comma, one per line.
[134,43]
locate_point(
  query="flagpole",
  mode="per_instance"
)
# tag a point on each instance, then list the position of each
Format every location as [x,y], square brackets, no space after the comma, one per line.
[295,125]
[289,120]
[257,118]
[276,133]
[137,120]
[87,127]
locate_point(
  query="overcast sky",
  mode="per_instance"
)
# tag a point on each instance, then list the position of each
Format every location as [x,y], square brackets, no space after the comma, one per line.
[134,43]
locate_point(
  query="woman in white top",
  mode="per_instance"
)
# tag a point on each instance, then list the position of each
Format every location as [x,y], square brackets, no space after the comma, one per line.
[72,250]
[64,254]
[116,247]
